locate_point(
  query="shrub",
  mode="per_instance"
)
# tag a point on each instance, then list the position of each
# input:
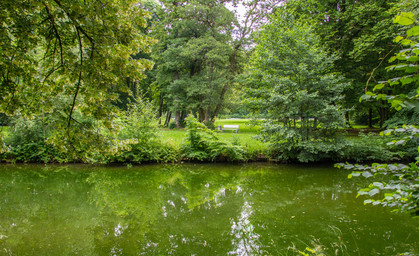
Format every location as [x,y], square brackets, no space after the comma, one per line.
[313,150]
[137,141]
[28,142]
[367,148]
[203,145]
[172,125]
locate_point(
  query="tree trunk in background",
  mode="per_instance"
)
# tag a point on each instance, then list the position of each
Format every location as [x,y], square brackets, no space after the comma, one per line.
[383,115]
[183,115]
[168,117]
[201,115]
[370,118]
[207,115]
[177,119]
[347,119]
[160,113]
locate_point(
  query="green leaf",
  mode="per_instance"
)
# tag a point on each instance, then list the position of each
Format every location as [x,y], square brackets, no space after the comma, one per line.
[398,39]
[407,80]
[414,31]
[367,174]
[373,192]
[400,142]
[396,104]
[412,58]
[393,58]
[378,87]
[405,18]
[406,42]
[368,201]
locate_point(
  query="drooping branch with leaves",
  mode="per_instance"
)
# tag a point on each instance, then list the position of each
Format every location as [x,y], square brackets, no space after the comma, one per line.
[397,185]
[75,53]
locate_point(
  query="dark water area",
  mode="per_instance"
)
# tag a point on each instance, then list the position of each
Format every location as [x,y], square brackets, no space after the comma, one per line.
[190,209]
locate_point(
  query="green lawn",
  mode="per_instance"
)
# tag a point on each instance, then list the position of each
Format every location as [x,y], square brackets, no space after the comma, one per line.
[244,125]
[244,137]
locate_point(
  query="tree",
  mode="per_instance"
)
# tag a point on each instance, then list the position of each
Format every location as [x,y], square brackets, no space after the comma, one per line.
[193,55]
[360,33]
[290,76]
[201,51]
[73,53]
[400,185]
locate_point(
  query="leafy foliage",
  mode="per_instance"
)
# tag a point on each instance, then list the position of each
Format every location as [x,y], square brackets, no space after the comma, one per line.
[360,33]
[78,53]
[402,186]
[290,77]
[202,144]
[371,147]
[138,140]
[193,55]
[407,64]
[28,142]
[400,191]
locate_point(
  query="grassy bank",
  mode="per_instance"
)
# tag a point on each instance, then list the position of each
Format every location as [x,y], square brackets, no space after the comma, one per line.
[176,137]
[170,147]
[245,137]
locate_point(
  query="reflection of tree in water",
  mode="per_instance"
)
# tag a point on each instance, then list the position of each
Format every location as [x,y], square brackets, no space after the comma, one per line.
[173,209]
[245,239]
[43,210]
[179,210]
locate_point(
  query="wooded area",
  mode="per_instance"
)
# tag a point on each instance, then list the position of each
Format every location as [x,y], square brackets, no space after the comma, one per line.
[78,74]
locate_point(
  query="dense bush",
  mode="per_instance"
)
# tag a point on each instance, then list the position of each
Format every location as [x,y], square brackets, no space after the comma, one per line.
[403,117]
[88,141]
[313,150]
[203,145]
[28,142]
[367,148]
[137,141]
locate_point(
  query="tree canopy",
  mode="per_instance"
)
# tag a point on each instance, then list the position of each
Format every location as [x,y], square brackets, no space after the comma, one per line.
[75,52]
[291,78]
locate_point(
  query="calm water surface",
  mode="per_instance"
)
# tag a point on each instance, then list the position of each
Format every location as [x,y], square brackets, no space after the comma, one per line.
[255,209]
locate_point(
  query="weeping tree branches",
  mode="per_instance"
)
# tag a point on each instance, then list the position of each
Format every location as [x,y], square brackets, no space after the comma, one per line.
[48,46]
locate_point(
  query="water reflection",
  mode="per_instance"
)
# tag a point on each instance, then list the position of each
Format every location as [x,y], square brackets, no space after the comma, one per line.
[191,210]
[245,239]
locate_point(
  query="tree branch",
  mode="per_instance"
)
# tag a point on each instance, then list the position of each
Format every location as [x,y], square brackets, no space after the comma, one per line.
[381,62]
[57,35]
[78,27]
[79,81]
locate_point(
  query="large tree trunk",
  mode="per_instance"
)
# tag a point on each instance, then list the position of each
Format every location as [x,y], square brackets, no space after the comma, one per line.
[207,115]
[370,118]
[383,115]
[201,115]
[177,119]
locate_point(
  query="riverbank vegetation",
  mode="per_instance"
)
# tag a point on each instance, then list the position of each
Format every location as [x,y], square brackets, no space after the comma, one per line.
[148,82]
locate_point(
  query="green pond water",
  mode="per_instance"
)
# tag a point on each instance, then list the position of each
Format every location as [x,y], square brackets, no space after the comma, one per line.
[187,209]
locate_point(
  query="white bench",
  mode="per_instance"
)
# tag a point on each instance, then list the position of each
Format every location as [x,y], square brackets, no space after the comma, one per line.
[230,127]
